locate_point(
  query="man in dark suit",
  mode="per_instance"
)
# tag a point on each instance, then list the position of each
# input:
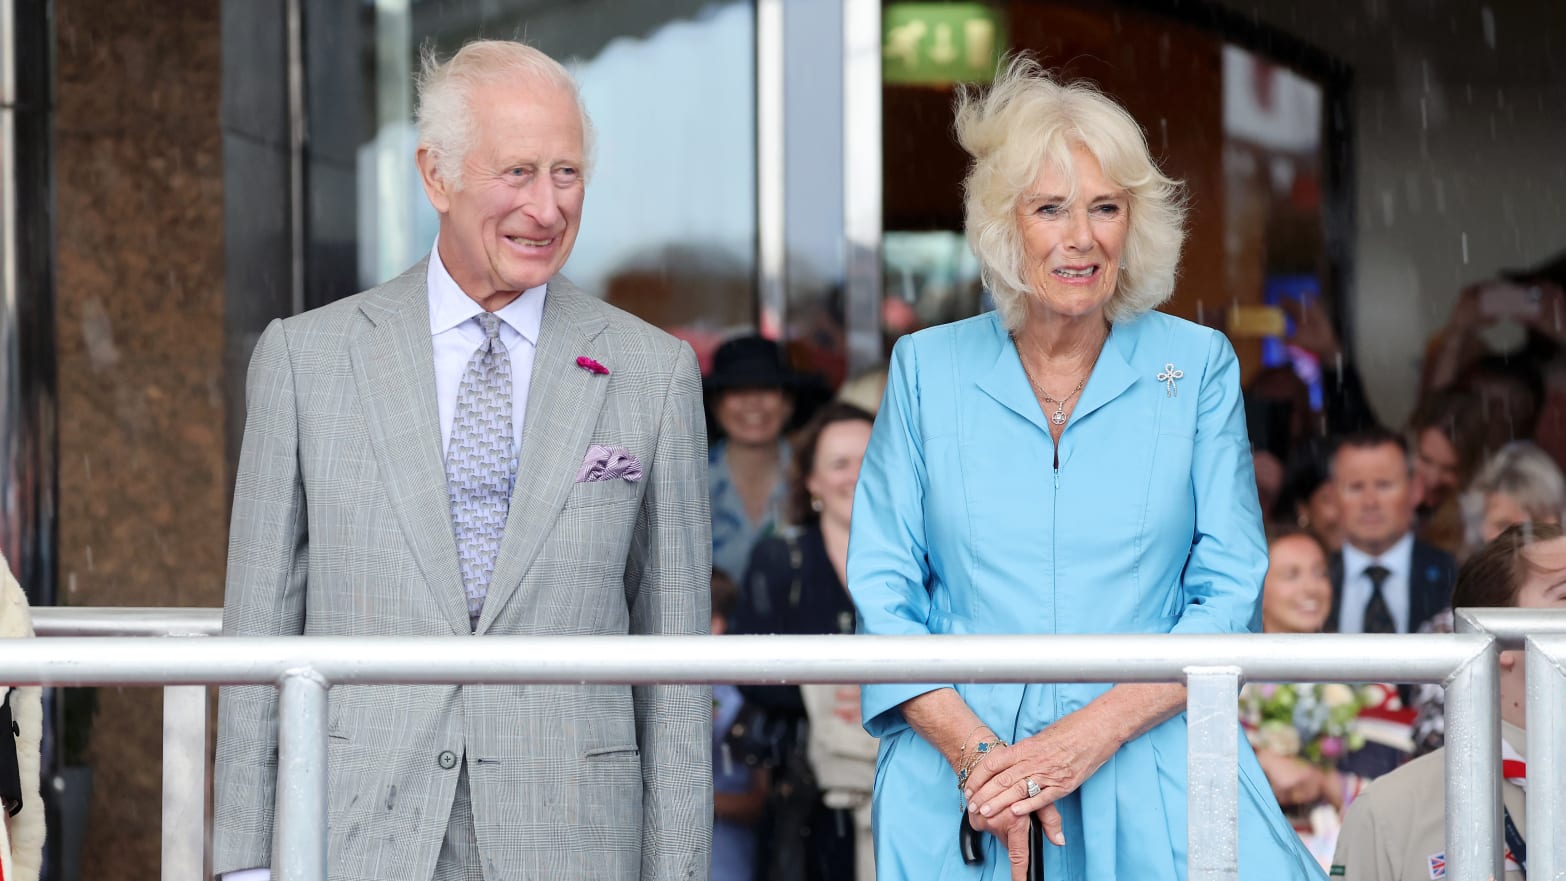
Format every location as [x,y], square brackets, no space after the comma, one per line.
[1383,580]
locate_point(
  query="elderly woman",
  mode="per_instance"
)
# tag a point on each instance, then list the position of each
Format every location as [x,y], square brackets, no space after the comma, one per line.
[1073,463]
[1519,484]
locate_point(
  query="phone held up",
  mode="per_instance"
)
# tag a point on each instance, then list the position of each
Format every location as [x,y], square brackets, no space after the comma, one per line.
[1505,299]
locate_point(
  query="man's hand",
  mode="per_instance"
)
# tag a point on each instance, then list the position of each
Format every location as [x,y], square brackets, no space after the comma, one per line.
[1312,330]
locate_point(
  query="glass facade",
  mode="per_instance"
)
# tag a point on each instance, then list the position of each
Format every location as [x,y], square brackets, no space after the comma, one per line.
[669,223]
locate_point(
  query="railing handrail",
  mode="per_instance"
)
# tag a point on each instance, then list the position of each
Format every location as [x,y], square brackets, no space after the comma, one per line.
[1508,625]
[56,621]
[305,668]
[380,660]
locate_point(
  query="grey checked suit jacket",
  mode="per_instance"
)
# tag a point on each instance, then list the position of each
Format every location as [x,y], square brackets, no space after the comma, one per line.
[342,526]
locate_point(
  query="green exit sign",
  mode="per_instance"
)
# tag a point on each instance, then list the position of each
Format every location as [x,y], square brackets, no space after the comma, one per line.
[941,43]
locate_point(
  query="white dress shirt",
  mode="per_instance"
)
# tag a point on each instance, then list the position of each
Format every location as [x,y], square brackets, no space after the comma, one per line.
[456,337]
[1398,561]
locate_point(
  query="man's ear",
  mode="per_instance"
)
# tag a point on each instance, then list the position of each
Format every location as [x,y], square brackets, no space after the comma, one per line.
[436,188]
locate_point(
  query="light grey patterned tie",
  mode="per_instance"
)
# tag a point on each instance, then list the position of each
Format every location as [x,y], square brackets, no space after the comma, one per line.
[480,465]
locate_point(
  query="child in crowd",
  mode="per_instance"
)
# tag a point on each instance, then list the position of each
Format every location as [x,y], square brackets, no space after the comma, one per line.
[1396,830]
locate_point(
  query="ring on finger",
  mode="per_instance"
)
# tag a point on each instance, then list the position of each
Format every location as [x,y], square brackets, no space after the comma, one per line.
[1033,788]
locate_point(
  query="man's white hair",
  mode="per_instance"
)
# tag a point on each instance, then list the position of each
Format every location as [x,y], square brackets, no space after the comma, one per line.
[445,114]
[1025,121]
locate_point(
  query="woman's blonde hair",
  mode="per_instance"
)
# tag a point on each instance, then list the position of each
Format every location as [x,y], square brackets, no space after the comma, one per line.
[1026,120]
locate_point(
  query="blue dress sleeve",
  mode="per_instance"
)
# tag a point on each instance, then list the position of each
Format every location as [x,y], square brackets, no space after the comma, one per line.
[1228,562]
[888,570]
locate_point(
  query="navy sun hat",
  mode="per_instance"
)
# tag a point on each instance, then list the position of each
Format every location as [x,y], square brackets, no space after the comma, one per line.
[752,362]
[757,362]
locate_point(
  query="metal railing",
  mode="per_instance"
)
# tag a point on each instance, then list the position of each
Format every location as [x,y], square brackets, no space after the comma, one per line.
[185,713]
[304,668]
[1543,635]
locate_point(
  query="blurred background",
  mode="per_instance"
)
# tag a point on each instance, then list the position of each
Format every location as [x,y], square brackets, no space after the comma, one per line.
[178,173]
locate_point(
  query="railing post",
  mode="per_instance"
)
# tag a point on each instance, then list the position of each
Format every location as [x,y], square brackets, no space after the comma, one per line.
[299,847]
[184,782]
[1546,758]
[1473,769]
[1212,714]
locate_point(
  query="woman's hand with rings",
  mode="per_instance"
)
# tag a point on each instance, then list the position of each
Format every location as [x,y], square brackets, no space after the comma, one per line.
[1029,776]
[1012,826]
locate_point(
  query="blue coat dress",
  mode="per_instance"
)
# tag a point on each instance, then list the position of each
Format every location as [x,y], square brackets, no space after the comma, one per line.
[1149,523]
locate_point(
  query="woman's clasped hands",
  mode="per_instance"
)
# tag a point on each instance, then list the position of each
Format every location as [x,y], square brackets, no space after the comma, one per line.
[1056,761]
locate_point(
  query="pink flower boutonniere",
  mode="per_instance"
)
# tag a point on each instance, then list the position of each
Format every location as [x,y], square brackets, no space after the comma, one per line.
[592,366]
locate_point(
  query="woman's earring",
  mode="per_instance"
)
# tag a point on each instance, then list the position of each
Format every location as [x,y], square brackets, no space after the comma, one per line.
[815,504]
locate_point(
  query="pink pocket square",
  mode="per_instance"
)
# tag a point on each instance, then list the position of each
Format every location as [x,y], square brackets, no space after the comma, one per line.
[609,463]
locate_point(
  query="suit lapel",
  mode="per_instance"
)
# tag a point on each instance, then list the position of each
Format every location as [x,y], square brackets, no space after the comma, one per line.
[562,408]
[1419,587]
[394,369]
[1428,586]
[1335,572]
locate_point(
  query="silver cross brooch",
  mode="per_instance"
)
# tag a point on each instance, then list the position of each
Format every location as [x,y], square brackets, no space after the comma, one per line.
[1168,378]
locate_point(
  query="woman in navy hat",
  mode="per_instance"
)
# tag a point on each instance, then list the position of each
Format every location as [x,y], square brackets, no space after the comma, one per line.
[752,399]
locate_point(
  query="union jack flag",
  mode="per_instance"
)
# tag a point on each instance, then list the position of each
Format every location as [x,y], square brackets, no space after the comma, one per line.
[1437,866]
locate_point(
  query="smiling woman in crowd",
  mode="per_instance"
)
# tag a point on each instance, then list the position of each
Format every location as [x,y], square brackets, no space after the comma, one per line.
[752,398]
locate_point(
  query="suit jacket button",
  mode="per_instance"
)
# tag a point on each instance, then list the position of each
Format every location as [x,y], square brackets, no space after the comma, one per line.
[448,760]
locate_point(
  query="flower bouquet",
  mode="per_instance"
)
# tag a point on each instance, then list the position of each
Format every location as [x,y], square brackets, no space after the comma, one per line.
[1313,721]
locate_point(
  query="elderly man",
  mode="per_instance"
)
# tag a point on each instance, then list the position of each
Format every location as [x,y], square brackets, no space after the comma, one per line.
[476,448]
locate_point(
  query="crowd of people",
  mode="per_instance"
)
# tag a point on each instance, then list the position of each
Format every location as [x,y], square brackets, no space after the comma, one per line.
[1368,527]
[477,448]
[1365,528]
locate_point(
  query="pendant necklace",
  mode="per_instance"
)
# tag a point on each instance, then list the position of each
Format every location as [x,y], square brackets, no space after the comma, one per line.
[1059,416]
